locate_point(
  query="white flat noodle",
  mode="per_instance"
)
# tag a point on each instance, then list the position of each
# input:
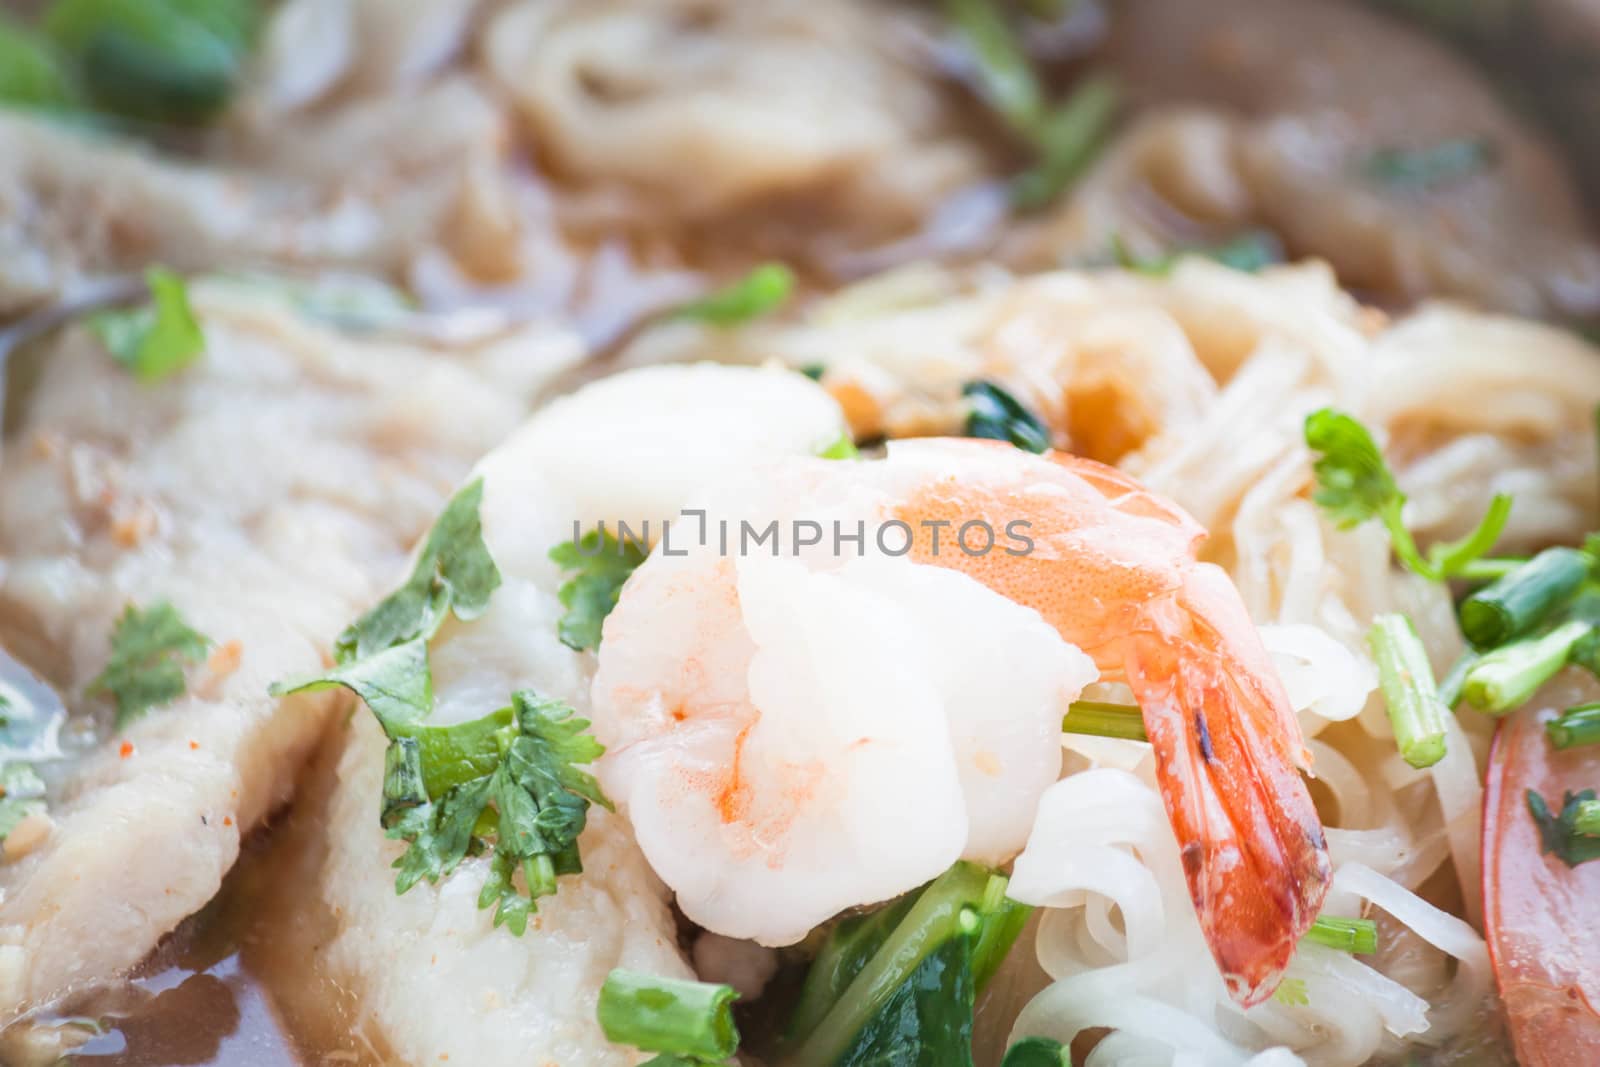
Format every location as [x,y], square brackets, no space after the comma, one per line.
[435,978]
[264,491]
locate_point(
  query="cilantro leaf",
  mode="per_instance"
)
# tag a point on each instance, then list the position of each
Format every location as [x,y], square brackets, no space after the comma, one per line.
[158,339]
[763,290]
[1354,485]
[997,415]
[21,795]
[396,683]
[1560,834]
[602,566]
[149,648]
[529,804]
[454,573]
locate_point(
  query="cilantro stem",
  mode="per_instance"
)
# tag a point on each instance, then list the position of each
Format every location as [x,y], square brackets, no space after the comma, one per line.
[1525,597]
[1575,726]
[1506,677]
[1346,935]
[1105,720]
[1489,569]
[669,1015]
[1415,710]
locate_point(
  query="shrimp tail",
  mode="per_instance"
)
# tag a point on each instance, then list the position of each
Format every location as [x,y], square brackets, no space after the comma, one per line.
[1226,745]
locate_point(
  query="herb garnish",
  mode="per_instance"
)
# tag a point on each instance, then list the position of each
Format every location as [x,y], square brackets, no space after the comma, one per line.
[1250,252]
[1292,993]
[534,801]
[1415,711]
[508,781]
[1038,1052]
[1354,485]
[1433,167]
[925,956]
[1575,726]
[1573,835]
[30,73]
[158,339]
[997,415]
[763,290]
[687,1023]
[602,566]
[149,648]
[1346,935]
[1065,138]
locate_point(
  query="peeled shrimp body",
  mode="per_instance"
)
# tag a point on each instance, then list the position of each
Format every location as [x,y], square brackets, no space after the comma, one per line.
[811,723]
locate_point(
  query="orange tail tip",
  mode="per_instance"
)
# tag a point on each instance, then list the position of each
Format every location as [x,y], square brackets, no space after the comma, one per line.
[1252,845]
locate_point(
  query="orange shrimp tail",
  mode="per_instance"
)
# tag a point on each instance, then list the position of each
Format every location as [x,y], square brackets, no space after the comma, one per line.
[1252,845]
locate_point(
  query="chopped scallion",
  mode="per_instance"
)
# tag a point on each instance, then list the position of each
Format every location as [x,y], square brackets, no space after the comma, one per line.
[1506,677]
[1346,935]
[1525,597]
[1104,720]
[1575,726]
[669,1015]
[1415,711]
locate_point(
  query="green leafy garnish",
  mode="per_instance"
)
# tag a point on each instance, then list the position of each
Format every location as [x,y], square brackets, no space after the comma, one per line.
[155,340]
[1250,252]
[1571,835]
[158,60]
[1430,168]
[602,565]
[1354,485]
[1038,1052]
[31,75]
[149,648]
[1064,139]
[454,574]
[763,290]
[688,1023]
[21,795]
[1346,935]
[1292,993]
[513,778]
[396,682]
[1525,597]
[1506,677]
[997,415]
[898,987]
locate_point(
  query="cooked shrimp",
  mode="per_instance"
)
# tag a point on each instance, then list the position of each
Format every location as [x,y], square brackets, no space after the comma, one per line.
[1114,570]
[796,736]
[793,736]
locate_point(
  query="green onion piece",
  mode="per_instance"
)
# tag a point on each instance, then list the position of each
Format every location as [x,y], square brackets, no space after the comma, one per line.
[1524,598]
[659,1014]
[1575,726]
[1000,919]
[1505,678]
[1415,710]
[1104,720]
[31,74]
[1346,935]
[764,289]
[1586,818]
[1037,1052]
[1005,79]
[1067,142]
[1586,653]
